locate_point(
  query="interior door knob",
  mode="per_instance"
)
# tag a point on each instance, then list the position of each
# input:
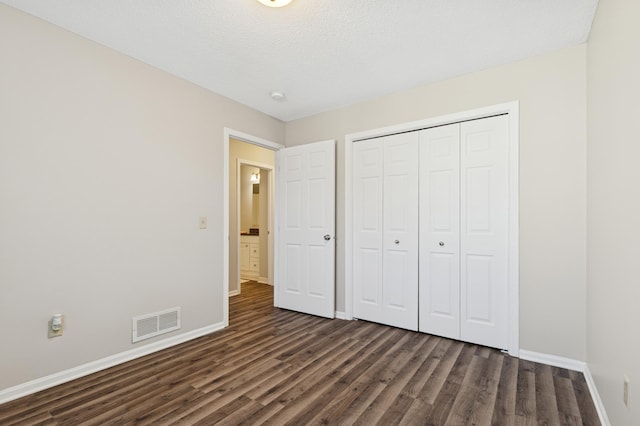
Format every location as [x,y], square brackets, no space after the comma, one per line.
[397,241]
[441,243]
[327,237]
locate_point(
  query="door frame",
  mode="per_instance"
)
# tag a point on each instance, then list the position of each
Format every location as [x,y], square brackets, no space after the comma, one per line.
[226,236]
[510,108]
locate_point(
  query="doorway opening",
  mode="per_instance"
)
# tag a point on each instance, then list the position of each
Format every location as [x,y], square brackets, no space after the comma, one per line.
[247,154]
[254,218]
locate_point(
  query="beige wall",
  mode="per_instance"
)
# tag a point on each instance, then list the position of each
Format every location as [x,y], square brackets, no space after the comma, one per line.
[614,206]
[105,166]
[244,151]
[552,94]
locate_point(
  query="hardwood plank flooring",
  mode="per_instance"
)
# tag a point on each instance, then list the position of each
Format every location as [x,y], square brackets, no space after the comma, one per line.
[272,366]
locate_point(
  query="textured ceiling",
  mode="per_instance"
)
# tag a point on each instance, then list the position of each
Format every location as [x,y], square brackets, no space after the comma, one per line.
[322,54]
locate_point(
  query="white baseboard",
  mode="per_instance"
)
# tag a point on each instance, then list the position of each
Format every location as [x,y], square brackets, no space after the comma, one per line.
[571,364]
[234,292]
[55,379]
[341,315]
[556,361]
[602,413]
[263,280]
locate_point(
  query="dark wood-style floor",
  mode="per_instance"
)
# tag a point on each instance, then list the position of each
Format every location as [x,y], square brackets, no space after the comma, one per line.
[279,367]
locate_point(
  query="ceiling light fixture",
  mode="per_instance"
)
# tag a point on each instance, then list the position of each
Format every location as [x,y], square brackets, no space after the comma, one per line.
[275,3]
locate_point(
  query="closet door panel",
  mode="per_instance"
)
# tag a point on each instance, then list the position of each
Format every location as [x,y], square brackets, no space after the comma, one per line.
[439,231]
[385,227]
[484,231]
[367,229]
[400,231]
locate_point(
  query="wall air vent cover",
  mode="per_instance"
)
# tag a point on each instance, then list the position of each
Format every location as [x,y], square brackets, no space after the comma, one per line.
[155,324]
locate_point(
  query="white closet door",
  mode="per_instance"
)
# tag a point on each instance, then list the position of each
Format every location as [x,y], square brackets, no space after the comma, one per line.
[367,229]
[440,231]
[400,231]
[385,206]
[484,231]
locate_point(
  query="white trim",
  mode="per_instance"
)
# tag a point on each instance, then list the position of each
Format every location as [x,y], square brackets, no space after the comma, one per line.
[554,360]
[234,293]
[505,108]
[254,140]
[341,315]
[276,233]
[595,396]
[514,228]
[55,379]
[571,364]
[226,237]
[264,280]
[511,108]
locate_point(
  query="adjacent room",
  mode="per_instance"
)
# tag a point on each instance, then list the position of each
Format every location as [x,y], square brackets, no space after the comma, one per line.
[319,212]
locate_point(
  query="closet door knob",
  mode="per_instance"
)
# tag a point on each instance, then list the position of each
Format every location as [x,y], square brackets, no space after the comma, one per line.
[327,237]
[397,241]
[441,243]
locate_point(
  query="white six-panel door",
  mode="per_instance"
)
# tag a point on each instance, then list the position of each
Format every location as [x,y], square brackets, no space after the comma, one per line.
[385,206]
[440,231]
[305,201]
[484,225]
